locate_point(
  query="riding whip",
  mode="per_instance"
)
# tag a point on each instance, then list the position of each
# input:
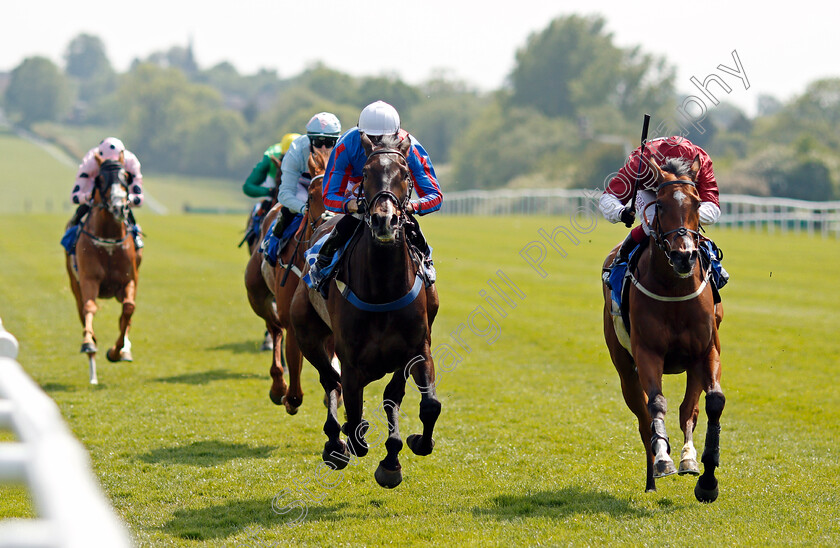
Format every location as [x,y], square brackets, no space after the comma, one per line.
[641,160]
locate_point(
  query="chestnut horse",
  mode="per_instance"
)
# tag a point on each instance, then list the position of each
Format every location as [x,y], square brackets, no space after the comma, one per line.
[105,263]
[673,329]
[270,290]
[252,233]
[380,317]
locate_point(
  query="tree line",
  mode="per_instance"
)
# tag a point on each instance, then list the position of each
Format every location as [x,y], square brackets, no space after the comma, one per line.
[569,111]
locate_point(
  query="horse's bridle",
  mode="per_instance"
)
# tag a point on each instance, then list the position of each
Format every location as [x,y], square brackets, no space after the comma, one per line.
[387,194]
[661,238]
[110,166]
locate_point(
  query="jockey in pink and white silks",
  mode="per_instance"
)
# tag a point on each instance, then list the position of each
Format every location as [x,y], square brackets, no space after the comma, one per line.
[377,121]
[110,148]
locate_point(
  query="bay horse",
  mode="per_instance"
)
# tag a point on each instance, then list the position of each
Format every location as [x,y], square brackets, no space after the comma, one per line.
[105,263]
[270,289]
[673,329]
[380,318]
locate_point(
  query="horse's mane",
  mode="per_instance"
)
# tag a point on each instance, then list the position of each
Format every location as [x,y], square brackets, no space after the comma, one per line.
[677,166]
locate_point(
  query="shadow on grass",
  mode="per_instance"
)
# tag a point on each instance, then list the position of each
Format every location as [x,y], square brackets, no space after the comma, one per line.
[206,453]
[57,387]
[204,377]
[247,347]
[225,520]
[563,503]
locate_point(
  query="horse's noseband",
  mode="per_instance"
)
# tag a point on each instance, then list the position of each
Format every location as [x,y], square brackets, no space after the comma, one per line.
[387,194]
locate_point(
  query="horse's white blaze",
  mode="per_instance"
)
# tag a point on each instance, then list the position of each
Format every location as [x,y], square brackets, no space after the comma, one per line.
[688,452]
[687,243]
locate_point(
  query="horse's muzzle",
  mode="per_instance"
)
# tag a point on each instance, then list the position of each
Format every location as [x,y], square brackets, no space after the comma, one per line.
[683,262]
[384,226]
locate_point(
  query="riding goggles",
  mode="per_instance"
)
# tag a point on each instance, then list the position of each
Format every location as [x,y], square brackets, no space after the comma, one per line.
[321,141]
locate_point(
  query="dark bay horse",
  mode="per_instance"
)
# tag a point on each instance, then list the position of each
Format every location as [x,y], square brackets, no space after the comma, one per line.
[270,290]
[105,263]
[380,317]
[673,329]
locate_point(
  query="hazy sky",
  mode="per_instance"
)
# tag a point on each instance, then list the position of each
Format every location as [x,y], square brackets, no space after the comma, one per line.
[781,51]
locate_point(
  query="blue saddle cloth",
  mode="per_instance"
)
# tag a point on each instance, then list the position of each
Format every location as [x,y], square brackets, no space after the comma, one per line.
[71,236]
[271,245]
[315,277]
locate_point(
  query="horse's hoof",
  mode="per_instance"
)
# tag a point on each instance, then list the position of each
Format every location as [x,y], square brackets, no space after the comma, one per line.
[337,460]
[690,467]
[275,399]
[415,443]
[290,409]
[664,467]
[125,356]
[708,492]
[112,355]
[388,478]
[88,348]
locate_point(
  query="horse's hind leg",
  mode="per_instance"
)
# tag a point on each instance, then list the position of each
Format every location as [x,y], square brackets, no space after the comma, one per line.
[688,422]
[115,353]
[706,489]
[278,389]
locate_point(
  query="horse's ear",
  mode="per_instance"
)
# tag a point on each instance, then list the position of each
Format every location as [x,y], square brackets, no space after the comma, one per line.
[122,157]
[98,158]
[405,146]
[655,169]
[275,160]
[695,168]
[366,144]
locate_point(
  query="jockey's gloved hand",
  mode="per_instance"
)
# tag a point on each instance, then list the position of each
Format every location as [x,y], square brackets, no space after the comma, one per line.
[628,216]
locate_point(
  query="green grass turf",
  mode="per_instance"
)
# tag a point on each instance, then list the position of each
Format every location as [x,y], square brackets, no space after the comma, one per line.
[534,445]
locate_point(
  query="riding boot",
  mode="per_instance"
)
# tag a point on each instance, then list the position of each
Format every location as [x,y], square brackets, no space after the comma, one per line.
[417,240]
[135,229]
[339,236]
[286,217]
[81,211]
[623,255]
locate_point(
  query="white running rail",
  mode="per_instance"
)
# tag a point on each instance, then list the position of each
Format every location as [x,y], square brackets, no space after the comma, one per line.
[740,211]
[54,467]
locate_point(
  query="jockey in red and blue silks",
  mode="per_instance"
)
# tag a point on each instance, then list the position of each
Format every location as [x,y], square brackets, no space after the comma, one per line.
[344,173]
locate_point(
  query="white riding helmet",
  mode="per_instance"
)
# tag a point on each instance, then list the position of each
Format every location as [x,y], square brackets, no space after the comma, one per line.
[110,148]
[379,118]
[323,123]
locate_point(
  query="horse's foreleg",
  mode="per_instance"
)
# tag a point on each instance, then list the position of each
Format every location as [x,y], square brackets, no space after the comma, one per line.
[706,489]
[115,353]
[423,371]
[688,422]
[89,291]
[356,427]
[650,376]
[636,400]
[389,472]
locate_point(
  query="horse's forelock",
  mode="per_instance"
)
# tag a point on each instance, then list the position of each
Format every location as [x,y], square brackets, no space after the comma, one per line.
[390,141]
[677,166]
